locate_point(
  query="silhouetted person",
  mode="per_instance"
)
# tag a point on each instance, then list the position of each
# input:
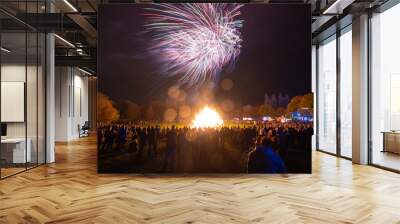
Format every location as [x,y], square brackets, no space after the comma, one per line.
[142,140]
[109,139]
[264,159]
[170,149]
[134,141]
[121,136]
[283,141]
[152,141]
[182,147]
[100,140]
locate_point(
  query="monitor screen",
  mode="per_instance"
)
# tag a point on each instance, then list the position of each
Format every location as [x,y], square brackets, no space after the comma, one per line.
[3,129]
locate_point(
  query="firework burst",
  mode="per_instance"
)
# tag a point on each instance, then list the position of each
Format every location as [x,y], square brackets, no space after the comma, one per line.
[194,42]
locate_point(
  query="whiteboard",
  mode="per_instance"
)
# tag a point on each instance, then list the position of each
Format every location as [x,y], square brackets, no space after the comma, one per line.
[12,101]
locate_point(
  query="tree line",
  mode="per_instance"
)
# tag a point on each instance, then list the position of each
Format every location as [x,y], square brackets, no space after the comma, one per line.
[283,105]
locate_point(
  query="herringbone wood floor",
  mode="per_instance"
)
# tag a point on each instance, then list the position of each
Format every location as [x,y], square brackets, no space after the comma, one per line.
[70,191]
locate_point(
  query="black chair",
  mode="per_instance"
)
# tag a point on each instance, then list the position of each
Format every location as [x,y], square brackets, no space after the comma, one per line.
[84,130]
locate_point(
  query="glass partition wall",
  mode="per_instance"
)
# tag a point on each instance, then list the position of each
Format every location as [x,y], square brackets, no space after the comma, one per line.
[334,93]
[327,95]
[345,92]
[385,89]
[22,100]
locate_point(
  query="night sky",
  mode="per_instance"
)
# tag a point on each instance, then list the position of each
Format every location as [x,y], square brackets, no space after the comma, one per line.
[275,55]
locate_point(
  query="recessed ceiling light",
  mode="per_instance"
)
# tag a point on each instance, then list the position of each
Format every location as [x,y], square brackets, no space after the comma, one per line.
[337,7]
[70,5]
[5,50]
[64,40]
[84,71]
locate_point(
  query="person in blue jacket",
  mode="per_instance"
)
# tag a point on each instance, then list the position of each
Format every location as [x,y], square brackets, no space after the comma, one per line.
[264,158]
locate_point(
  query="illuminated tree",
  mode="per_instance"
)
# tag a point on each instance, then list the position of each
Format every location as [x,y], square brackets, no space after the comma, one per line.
[298,102]
[129,110]
[106,111]
[266,110]
[294,104]
[307,101]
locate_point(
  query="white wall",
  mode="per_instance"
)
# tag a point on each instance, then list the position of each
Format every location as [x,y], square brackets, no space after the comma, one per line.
[80,112]
[61,103]
[33,127]
[11,73]
[71,102]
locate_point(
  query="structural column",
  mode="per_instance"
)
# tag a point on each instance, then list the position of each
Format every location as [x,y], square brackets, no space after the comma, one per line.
[360,90]
[50,92]
[92,87]
[50,99]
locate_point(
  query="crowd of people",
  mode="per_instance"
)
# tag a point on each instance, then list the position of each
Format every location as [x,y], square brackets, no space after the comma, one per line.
[264,146]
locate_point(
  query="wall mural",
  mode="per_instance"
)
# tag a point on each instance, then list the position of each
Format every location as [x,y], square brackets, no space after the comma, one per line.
[204,88]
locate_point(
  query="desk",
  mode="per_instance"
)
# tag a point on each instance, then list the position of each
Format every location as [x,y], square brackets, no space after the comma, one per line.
[13,150]
[391,141]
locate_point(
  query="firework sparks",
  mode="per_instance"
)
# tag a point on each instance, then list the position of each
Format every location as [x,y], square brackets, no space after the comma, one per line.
[194,42]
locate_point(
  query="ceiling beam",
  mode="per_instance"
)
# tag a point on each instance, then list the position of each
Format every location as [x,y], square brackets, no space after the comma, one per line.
[77,61]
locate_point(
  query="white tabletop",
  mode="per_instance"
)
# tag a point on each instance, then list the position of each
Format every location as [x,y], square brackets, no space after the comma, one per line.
[13,140]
